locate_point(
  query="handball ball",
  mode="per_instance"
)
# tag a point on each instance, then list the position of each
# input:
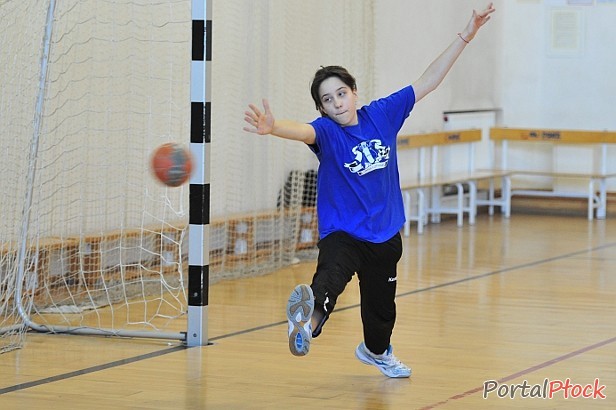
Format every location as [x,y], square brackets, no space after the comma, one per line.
[172,164]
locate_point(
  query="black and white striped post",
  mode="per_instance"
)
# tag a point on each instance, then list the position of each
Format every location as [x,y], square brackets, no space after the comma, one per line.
[199,212]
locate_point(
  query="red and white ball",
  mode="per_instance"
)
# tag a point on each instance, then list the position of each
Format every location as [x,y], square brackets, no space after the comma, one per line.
[172,164]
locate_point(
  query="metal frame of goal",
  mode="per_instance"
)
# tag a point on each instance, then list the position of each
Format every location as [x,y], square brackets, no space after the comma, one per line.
[196,259]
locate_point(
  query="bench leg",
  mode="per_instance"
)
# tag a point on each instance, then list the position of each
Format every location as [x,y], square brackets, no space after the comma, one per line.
[491,197]
[472,202]
[406,196]
[421,210]
[602,209]
[506,194]
[460,204]
[436,205]
[408,213]
[591,199]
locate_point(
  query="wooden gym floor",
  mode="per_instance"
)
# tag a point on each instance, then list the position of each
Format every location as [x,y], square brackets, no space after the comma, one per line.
[532,298]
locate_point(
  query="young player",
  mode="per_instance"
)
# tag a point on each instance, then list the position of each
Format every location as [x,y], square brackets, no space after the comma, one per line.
[359,201]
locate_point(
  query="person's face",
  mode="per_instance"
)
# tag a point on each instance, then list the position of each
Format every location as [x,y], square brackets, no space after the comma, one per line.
[338,101]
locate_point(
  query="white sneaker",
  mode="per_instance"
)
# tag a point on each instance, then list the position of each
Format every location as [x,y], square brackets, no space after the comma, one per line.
[387,363]
[299,312]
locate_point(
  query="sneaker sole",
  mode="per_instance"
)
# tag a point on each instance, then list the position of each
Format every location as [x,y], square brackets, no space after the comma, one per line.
[299,312]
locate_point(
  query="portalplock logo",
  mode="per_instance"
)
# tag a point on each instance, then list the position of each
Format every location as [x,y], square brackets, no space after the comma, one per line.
[549,389]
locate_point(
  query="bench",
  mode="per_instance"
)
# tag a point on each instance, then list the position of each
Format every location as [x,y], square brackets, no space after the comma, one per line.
[469,206]
[596,188]
[429,186]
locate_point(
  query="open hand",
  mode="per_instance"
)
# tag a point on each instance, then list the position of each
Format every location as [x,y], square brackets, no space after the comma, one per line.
[261,123]
[477,20]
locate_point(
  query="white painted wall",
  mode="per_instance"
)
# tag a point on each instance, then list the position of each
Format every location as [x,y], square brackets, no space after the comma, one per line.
[558,91]
[509,66]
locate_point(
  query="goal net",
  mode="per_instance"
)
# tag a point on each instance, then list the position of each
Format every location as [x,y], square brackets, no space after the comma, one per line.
[89,240]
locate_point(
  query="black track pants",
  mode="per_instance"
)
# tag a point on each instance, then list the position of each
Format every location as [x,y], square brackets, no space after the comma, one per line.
[340,257]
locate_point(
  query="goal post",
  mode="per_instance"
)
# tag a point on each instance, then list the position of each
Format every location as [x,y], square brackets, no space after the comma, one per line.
[200,138]
[18,175]
[96,245]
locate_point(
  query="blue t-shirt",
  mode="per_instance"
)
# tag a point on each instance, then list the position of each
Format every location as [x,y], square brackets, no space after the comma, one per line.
[358,183]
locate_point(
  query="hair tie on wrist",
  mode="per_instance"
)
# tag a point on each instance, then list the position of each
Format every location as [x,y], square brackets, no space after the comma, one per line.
[463,39]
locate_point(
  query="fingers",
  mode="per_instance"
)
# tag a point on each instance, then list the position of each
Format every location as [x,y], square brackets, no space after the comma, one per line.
[255,110]
[253,130]
[489,10]
[266,106]
[482,18]
[251,120]
[258,121]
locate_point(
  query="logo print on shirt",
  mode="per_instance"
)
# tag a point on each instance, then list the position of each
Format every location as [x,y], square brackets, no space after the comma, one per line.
[369,156]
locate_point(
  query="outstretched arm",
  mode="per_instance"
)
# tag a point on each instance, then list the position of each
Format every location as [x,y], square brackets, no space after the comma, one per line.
[438,69]
[263,123]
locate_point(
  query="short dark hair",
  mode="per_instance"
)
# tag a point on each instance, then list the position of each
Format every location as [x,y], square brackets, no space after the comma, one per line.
[323,74]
